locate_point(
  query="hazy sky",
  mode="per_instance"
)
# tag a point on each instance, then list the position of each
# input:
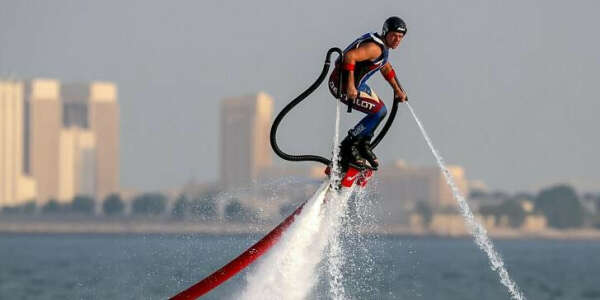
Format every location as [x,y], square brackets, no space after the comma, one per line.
[507,89]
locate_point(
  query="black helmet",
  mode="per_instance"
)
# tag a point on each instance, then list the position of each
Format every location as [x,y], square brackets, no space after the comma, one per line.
[393,24]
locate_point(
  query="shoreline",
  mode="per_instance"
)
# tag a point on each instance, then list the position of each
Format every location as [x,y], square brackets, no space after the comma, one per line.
[92,227]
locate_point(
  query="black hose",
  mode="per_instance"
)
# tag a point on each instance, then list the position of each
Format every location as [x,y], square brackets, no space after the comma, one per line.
[305,94]
[291,105]
[390,119]
[386,126]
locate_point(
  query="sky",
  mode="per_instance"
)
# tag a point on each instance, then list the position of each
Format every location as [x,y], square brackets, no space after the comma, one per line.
[506,89]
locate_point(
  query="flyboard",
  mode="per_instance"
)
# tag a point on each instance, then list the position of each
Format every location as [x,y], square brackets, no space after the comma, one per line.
[350,175]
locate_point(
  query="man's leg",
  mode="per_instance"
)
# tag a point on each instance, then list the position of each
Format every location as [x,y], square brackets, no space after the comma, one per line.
[363,133]
[366,127]
[358,139]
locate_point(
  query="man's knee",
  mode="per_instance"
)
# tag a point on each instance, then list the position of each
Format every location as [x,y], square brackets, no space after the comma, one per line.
[382,111]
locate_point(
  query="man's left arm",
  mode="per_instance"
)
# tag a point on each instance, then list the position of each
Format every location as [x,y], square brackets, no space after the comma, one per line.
[390,75]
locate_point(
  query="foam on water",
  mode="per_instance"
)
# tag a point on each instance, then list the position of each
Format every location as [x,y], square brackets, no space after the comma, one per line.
[477,230]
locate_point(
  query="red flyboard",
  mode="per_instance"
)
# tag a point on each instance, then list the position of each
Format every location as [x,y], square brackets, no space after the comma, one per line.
[258,249]
[352,175]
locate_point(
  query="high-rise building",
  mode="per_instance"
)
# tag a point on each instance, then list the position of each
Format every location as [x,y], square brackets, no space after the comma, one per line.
[15,186]
[43,122]
[94,106]
[77,163]
[38,159]
[245,148]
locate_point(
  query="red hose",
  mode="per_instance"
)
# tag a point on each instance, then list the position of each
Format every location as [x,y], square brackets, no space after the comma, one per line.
[258,249]
[240,262]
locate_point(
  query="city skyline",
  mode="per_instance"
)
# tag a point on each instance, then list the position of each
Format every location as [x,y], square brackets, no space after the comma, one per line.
[57,140]
[253,112]
[515,117]
[406,195]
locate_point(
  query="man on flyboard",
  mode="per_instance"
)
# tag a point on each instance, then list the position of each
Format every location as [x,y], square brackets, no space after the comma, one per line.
[362,58]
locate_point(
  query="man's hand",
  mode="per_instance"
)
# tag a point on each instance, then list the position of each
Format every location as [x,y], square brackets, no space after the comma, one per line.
[352,92]
[399,95]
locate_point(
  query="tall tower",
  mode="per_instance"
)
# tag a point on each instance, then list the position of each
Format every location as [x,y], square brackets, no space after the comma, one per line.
[15,187]
[94,106]
[57,142]
[245,148]
[43,122]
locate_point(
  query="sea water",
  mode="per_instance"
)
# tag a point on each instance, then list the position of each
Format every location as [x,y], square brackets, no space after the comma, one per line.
[158,266]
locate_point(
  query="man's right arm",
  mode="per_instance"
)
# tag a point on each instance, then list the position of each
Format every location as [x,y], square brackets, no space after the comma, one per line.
[366,51]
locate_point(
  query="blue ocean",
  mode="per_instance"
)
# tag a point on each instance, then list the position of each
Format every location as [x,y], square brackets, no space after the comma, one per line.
[376,267]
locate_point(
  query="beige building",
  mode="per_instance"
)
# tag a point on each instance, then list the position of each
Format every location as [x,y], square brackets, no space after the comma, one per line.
[245,147]
[402,186]
[94,106]
[534,223]
[77,174]
[450,224]
[43,121]
[39,159]
[15,186]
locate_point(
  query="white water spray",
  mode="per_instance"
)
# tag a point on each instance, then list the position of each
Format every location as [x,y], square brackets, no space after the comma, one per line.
[335,177]
[289,270]
[477,230]
[336,210]
[335,254]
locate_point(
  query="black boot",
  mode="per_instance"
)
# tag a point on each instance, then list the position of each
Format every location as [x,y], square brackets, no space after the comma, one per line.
[366,152]
[350,153]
